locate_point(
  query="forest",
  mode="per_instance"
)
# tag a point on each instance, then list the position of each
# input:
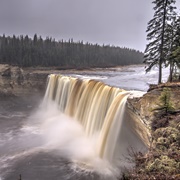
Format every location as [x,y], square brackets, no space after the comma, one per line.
[30,52]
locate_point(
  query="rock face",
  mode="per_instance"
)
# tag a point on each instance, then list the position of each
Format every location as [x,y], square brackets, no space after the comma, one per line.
[159,108]
[156,102]
[16,81]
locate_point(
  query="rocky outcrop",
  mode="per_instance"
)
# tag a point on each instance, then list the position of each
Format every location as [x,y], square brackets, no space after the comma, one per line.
[157,101]
[160,110]
[155,109]
[16,81]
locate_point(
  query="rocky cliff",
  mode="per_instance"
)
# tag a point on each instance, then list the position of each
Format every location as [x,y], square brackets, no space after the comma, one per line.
[159,100]
[159,109]
[18,82]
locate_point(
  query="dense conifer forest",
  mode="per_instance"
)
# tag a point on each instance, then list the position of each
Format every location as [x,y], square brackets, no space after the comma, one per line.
[26,52]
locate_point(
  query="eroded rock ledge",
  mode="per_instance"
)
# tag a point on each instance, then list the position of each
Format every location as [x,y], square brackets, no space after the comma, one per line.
[18,82]
[157,101]
[159,108]
[159,111]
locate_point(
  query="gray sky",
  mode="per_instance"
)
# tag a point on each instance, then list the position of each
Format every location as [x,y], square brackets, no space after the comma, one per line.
[115,22]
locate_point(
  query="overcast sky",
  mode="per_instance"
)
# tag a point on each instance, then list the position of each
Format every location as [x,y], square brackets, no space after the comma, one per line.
[116,22]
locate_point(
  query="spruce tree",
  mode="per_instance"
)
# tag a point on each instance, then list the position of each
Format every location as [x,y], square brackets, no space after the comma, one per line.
[158,35]
[173,60]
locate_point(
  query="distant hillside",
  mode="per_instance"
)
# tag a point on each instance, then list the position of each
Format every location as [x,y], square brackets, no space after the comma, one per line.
[25,52]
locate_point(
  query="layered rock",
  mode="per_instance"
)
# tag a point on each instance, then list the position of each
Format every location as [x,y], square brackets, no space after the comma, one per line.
[160,110]
[16,81]
[157,101]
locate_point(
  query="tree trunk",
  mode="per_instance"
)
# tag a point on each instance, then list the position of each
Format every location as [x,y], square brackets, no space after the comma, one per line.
[161,59]
[160,71]
[171,72]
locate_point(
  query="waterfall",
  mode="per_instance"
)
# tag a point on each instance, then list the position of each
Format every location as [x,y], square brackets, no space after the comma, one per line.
[99,108]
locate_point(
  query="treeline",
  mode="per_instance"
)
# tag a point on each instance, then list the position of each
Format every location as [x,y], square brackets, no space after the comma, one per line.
[25,52]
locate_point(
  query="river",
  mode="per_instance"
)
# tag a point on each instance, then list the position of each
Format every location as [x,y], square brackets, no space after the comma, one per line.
[25,152]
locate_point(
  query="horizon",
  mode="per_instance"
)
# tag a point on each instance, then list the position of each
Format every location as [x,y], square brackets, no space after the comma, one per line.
[67,40]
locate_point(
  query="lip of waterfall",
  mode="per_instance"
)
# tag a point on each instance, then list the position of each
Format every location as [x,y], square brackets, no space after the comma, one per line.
[101,111]
[89,77]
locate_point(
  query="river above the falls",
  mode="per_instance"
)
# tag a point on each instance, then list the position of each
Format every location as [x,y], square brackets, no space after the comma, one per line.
[131,77]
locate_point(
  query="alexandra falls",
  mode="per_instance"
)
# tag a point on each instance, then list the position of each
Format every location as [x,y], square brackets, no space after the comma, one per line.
[90,123]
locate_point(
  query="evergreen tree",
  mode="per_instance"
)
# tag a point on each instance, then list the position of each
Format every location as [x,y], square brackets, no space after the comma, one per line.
[173,60]
[158,35]
[175,65]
